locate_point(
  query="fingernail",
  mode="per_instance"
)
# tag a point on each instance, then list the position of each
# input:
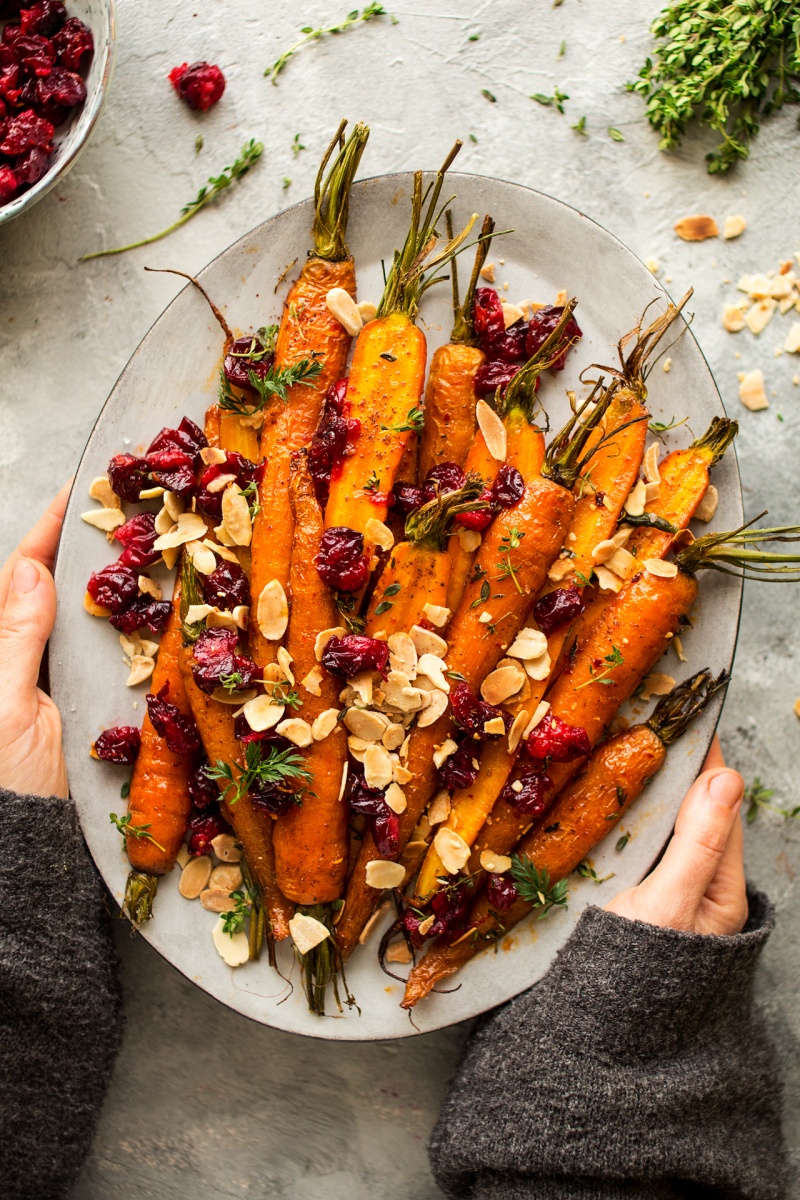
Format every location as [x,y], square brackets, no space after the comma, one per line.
[24,577]
[726,788]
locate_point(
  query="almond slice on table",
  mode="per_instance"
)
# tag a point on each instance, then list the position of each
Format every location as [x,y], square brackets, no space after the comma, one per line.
[493,430]
[227,877]
[142,667]
[696,228]
[656,684]
[732,317]
[216,900]
[368,310]
[751,390]
[733,227]
[149,587]
[658,566]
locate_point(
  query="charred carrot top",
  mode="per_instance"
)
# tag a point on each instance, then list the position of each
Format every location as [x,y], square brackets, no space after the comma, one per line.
[588,811]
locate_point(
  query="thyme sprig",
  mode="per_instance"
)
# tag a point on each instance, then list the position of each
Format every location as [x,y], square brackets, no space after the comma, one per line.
[139,832]
[725,63]
[273,385]
[312,35]
[250,154]
[756,796]
[602,675]
[414,422]
[555,101]
[233,921]
[534,886]
[284,768]
[505,567]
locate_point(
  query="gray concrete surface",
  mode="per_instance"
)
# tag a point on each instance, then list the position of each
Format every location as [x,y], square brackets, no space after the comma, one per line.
[202,1100]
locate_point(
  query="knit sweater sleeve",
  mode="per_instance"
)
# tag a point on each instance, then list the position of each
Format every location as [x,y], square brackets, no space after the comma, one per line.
[638,1066]
[59,997]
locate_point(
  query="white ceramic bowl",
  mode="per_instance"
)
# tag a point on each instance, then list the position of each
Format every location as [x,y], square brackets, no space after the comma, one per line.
[73,136]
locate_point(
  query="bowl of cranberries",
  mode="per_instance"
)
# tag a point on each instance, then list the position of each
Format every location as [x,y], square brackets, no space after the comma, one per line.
[56,58]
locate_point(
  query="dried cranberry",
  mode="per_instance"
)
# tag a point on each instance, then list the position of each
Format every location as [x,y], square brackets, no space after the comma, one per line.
[10,8]
[446,477]
[45,17]
[215,658]
[187,436]
[114,587]
[119,745]
[226,587]
[203,790]
[200,85]
[73,42]
[501,892]
[273,799]
[11,80]
[203,828]
[558,608]
[36,54]
[459,770]
[494,375]
[407,498]
[137,535]
[128,476]
[478,518]
[509,346]
[450,906]
[245,472]
[25,131]
[144,613]
[340,560]
[386,834]
[371,803]
[333,440]
[555,739]
[239,363]
[30,167]
[9,184]
[470,712]
[244,734]
[542,324]
[508,487]
[178,729]
[531,799]
[353,653]
[487,314]
[173,470]
[63,88]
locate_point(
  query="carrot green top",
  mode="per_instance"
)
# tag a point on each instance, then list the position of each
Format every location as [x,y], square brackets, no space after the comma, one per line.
[332,193]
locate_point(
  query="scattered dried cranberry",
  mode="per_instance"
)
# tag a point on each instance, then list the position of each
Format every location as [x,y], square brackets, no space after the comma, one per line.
[446,477]
[333,440]
[247,357]
[23,132]
[478,518]
[531,800]
[451,908]
[558,608]
[340,560]
[494,375]
[187,436]
[245,472]
[73,42]
[60,92]
[226,587]
[508,487]
[200,85]
[127,475]
[203,828]
[119,745]
[487,314]
[138,535]
[353,653]
[215,658]
[45,17]
[203,790]
[386,834]
[30,167]
[555,739]
[471,713]
[114,587]
[542,324]
[407,498]
[273,799]
[144,613]
[371,803]
[459,770]
[178,729]
[501,892]
[173,457]
[509,346]
[9,184]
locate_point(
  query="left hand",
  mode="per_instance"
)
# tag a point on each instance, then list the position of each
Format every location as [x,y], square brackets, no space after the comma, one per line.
[31,755]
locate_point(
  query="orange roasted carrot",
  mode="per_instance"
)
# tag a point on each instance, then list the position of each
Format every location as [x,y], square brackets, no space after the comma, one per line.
[309,336]
[584,814]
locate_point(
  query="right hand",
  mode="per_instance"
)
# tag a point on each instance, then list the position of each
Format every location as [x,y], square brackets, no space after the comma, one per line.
[31,755]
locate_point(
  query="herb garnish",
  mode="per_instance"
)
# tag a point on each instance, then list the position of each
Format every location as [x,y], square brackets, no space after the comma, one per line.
[555,101]
[622,842]
[580,126]
[140,832]
[756,796]
[614,659]
[506,568]
[297,145]
[282,767]
[586,872]
[615,134]
[275,384]
[312,35]
[414,422]
[373,483]
[233,921]
[534,885]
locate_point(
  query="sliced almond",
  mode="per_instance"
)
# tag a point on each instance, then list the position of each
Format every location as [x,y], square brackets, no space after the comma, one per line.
[470,540]
[234,949]
[634,505]
[96,610]
[393,736]
[226,848]
[149,587]
[493,430]
[607,580]
[677,646]
[220,483]
[183,857]
[792,343]
[307,932]
[751,390]
[324,636]
[368,310]
[194,877]
[529,643]
[381,874]
[324,725]
[272,611]
[296,730]
[515,732]
[502,683]
[312,681]
[378,534]
[236,519]
[100,489]
[285,663]
[189,528]
[343,307]
[198,612]
[399,953]
[732,318]
[622,563]
[452,850]
[373,923]
[538,668]
[107,519]
[241,619]
[142,667]
[163,522]
[734,227]
[212,455]
[657,684]
[439,808]
[759,316]
[227,877]
[222,551]
[511,314]
[495,864]
[175,505]
[495,727]
[542,709]
[426,641]
[343,784]
[485,618]
[401,775]
[696,228]
[487,272]
[377,767]
[368,726]
[435,708]
[395,797]
[559,570]
[437,614]
[362,685]
[707,507]
[152,493]
[260,713]
[651,471]
[403,654]
[443,751]
[236,698]
[216,900]
[652,491]
[203,559]
[664,570]
[434,668]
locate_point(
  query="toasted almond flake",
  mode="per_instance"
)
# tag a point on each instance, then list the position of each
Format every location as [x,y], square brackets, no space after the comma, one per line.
[153,493]
[285,663]
[622,563]
[170,557]
[220,483]
[395,797]
[529,643]
[100,489]
[696,228]
[148,587]
[677,646]
[324,636]
[241,616]
[792,343]
[538,668]
[751,390]
[260,713]
[657,684]
[107,519]
[781,287]
[495,727]
[452,850]
[657,566]
[437,614]
[651,471]
[212,456]
[324,724]
[707,507]
[377,767]
[604,550]
[759,315]
[401,775]
[296,730]
[188,528]
[399,953]
[634,505]
[487,272]
[470,540]
[443,751]
[272,611]
[434,709]
[197,612]
[368,310]
[227,877]
[485,618]
[542,709]
[734,227]
[343,783]
[515,732]
[194,877]
[393,736]
[233,949]
[183,856]
[216,900]
[517,786]
[307,932]
[434,668]
[175,505]
[652,492]
[221,619]
[343,307]
[502,683]
[559,570]
[378,534]
[653,265]
[96,610]
[164,522]
[511,314]
[236,516]
[425,926]
[403,654]
[142,666]
[732,317]
[237,699]
[373,923]
[493,430]
[226,848]
[496,864]
[381,874]
[369,726]
[222,551]
[427,642]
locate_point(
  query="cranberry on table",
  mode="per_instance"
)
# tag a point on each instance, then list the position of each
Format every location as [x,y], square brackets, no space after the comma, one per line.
[178,730]
[487,314]
[119,744]
[200,85]
[340,560]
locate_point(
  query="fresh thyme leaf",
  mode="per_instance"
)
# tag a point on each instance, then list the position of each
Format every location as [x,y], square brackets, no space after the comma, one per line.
[373,483]
[534,885]
[287,183]
[555,101]
[562,49]
[473,37]
[289,698]
[473,139]
[586,872]
[198,143]
[249,156]
[233,921]
[414,422]
[622,842]
[125,790]
[231,682]
[347,607]
[312,35]
[506,568]
[140,832]
[297,145]
[756,796]
[383,607]
[285,768]
[485,92]
[615,134]
[603,677]
[392,589]
[580,126]
[659,427]
[274,384]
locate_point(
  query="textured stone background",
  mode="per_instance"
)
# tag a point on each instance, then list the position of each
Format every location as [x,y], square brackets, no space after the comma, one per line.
[202,1100]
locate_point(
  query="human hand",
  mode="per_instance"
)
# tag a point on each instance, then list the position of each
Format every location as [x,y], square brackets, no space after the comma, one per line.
[31,756]
[699,884]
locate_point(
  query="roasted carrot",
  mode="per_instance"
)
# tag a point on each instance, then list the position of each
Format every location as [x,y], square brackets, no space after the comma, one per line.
[159,800]
[309,332]
[311,839]
[584,814]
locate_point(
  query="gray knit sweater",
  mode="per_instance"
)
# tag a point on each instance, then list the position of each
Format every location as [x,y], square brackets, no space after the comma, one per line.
[637,1068]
